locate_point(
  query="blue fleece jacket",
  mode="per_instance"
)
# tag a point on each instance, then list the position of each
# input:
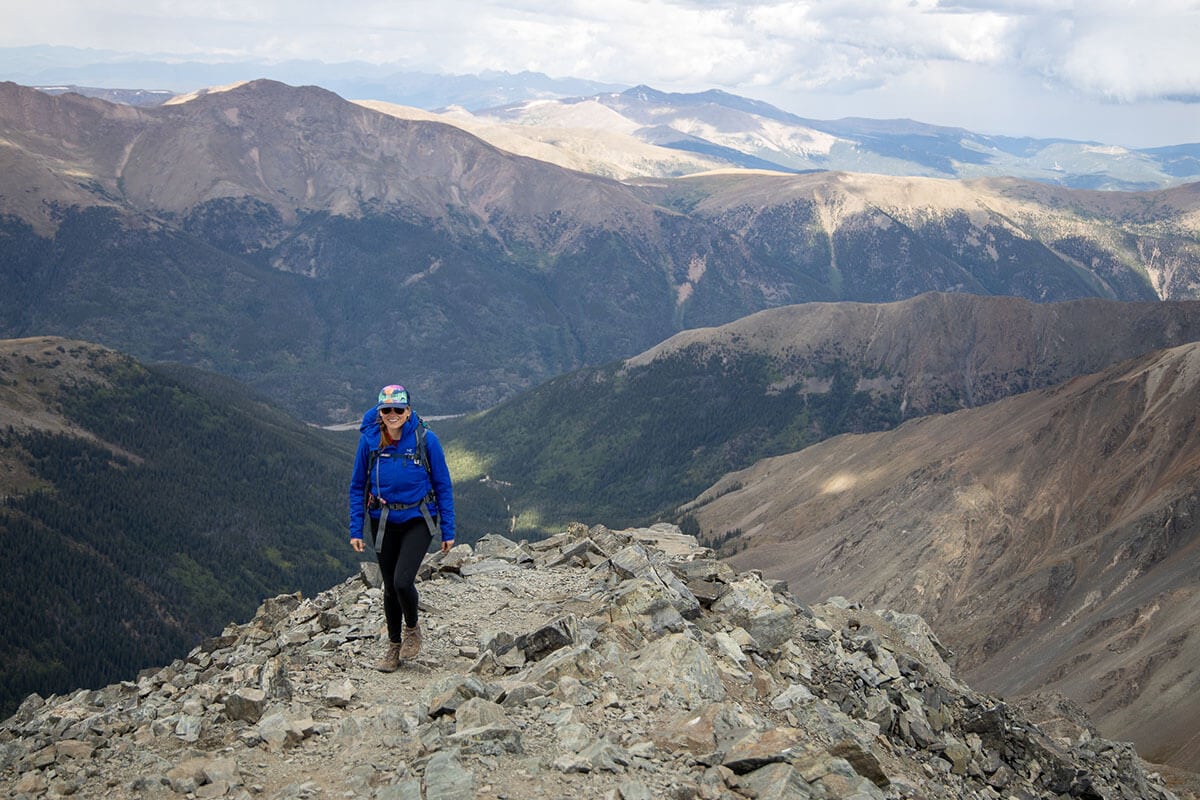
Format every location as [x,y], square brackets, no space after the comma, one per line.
[398,477]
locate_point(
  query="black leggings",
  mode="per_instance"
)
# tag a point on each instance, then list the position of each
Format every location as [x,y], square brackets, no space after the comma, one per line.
[404,546]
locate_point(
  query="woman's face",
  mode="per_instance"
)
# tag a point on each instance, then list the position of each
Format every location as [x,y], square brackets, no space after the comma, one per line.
[393,418]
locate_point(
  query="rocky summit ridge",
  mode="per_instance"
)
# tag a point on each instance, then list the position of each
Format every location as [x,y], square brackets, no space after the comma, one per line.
[596,663]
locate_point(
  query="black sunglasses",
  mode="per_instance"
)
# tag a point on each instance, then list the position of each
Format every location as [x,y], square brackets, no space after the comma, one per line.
[392,410]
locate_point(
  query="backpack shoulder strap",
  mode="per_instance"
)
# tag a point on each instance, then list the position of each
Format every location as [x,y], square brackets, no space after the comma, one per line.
[422,449]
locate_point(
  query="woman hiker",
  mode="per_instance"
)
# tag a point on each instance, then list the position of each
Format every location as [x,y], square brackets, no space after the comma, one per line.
[400,479]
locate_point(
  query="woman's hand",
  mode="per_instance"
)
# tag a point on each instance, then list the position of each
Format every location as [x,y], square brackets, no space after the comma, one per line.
[447,544]
[357,544]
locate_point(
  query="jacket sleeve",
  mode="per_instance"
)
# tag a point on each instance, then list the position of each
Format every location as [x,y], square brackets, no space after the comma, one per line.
[442,488]
[358,488]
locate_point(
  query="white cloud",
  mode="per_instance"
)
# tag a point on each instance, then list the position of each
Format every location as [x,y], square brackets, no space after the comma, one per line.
[1165,61]
[1112,48]
[851,53]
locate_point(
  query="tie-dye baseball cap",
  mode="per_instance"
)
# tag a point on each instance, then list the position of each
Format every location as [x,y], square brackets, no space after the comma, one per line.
[393,396]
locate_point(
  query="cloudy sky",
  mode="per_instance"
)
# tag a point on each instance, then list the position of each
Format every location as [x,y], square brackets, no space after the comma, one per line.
[1119,71]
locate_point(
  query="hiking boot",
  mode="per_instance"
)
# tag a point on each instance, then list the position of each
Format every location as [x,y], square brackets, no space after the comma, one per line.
[391,659]
[411,646]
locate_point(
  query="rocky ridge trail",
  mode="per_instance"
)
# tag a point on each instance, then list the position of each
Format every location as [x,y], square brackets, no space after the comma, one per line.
[596,664]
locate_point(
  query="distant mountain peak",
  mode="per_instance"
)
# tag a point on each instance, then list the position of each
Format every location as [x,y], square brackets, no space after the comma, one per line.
[179,99]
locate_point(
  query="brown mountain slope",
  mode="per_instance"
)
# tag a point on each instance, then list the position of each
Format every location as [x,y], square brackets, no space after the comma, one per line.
[938,352]
[33,373]
[1051,537]
[295,149]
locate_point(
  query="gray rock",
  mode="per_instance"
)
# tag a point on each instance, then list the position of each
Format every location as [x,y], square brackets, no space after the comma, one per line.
[679,665]
[246,705]
[574,691]
[757,749]
[519,693]
[489,739]
[557,633]
[276,609]
[573,737]
[634,790]
[777,781]
[280,729]
[714,729]
[795,695]
[751,604]
[339,693]
[445,698]
[958,754]
[584,553]
[863,759]
[645,607]
[188,727]
[408,789]
[835,777]
[598,756]
[493,545]
[636,561]
[477,712]
[447,778]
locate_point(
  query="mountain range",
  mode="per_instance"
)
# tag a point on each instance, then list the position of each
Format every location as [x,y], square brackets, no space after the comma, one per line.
[645,132]
[620,130]
[1022,475]
[288,238]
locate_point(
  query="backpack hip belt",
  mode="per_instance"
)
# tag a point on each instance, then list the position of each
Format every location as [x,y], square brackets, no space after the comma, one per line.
[422,504]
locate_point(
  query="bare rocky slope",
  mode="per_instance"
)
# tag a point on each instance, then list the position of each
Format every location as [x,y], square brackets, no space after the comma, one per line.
[625,665]
[1050,537]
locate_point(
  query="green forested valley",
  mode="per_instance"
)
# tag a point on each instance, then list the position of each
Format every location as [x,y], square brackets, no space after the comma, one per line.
[627,446]
[144,508]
